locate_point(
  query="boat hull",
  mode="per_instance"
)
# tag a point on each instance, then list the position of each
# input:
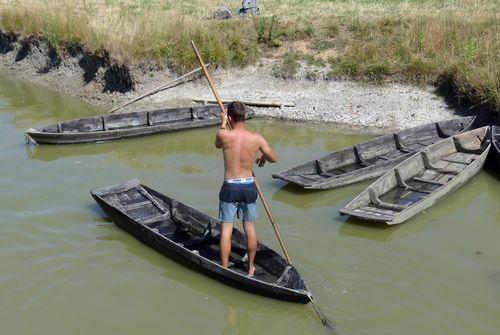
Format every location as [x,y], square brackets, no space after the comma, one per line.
[128,125]
[370,159]
[408,201]
[193,261]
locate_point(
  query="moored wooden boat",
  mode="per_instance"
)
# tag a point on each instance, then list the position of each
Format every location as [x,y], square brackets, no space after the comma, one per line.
[372,158]
[423,179]
[192,238]
[495,137]
[126,125]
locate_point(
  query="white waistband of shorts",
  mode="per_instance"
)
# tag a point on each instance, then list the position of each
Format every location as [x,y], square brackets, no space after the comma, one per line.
[248,180]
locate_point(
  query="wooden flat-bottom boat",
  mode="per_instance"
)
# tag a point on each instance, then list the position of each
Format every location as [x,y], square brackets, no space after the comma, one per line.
[192,238]
[495,137]
[372,158]
[126,125]
[423,179]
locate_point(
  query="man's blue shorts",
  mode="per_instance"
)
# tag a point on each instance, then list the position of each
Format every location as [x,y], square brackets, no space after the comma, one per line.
[238,198]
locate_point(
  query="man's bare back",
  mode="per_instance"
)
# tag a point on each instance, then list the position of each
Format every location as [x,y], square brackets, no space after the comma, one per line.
[239,147]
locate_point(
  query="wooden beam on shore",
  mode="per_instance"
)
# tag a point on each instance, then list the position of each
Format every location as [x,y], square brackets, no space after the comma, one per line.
[156,90]
[255,103]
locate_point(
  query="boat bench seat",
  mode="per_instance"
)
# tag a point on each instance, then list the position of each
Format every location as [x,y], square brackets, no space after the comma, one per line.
[193,228]
[181,236]
[393,154]
[385,205]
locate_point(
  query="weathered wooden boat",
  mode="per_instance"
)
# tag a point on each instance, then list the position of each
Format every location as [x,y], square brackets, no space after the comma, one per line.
[370,159]
[495,137]
[126,125]
[423,179]
[192,238]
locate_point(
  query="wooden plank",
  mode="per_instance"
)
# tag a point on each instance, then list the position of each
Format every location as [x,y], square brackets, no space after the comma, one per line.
[256,103]
[81,125]
[153,218]
[378,211]
[423,180]
[171,115]
[136,205]
[127,120]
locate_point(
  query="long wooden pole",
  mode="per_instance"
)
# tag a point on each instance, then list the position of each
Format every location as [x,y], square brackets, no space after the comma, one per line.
[317,309]
[156,90]
[259,191]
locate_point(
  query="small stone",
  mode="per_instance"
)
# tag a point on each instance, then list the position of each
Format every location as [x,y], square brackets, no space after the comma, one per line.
[249,7]
[223,13]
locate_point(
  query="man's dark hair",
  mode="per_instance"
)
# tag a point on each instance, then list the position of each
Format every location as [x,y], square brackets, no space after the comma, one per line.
[236,110]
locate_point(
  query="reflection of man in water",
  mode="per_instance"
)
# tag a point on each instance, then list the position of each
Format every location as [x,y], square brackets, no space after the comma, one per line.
[238,194]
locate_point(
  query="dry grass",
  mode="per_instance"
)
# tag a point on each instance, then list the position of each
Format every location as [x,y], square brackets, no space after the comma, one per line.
[456,43]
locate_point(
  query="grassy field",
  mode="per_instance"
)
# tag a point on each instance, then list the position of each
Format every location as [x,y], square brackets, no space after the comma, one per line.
[453,44]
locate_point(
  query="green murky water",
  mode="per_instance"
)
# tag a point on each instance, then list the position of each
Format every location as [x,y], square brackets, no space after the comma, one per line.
[65,269]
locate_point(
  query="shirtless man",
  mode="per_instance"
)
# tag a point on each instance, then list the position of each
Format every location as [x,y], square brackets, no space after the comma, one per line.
[238,194]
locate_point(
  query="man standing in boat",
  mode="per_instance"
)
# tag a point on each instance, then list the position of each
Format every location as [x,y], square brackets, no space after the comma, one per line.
[238,194]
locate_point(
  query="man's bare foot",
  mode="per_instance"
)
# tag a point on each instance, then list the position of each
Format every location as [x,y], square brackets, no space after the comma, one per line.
[251,272]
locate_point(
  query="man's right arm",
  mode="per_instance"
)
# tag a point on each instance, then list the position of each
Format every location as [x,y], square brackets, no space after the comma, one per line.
[218,139]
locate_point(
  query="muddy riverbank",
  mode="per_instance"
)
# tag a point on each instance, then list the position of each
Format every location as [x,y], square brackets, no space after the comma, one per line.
[349,105]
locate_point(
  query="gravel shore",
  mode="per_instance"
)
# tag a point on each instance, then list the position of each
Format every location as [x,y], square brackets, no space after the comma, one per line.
[364,108]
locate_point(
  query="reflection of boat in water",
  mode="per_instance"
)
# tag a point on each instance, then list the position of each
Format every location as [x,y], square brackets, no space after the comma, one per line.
[358,228]
[134,149]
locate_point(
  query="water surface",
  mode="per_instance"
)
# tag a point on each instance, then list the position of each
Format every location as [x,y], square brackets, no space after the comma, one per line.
[66,269]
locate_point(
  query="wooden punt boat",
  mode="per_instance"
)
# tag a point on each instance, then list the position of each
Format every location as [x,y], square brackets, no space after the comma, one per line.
[495,137]
[118,126]
[372,158]
[192,238]
[423,179]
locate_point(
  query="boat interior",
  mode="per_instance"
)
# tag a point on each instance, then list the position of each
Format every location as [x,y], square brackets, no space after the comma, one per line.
[371,153]
[194,230]
[421,175]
